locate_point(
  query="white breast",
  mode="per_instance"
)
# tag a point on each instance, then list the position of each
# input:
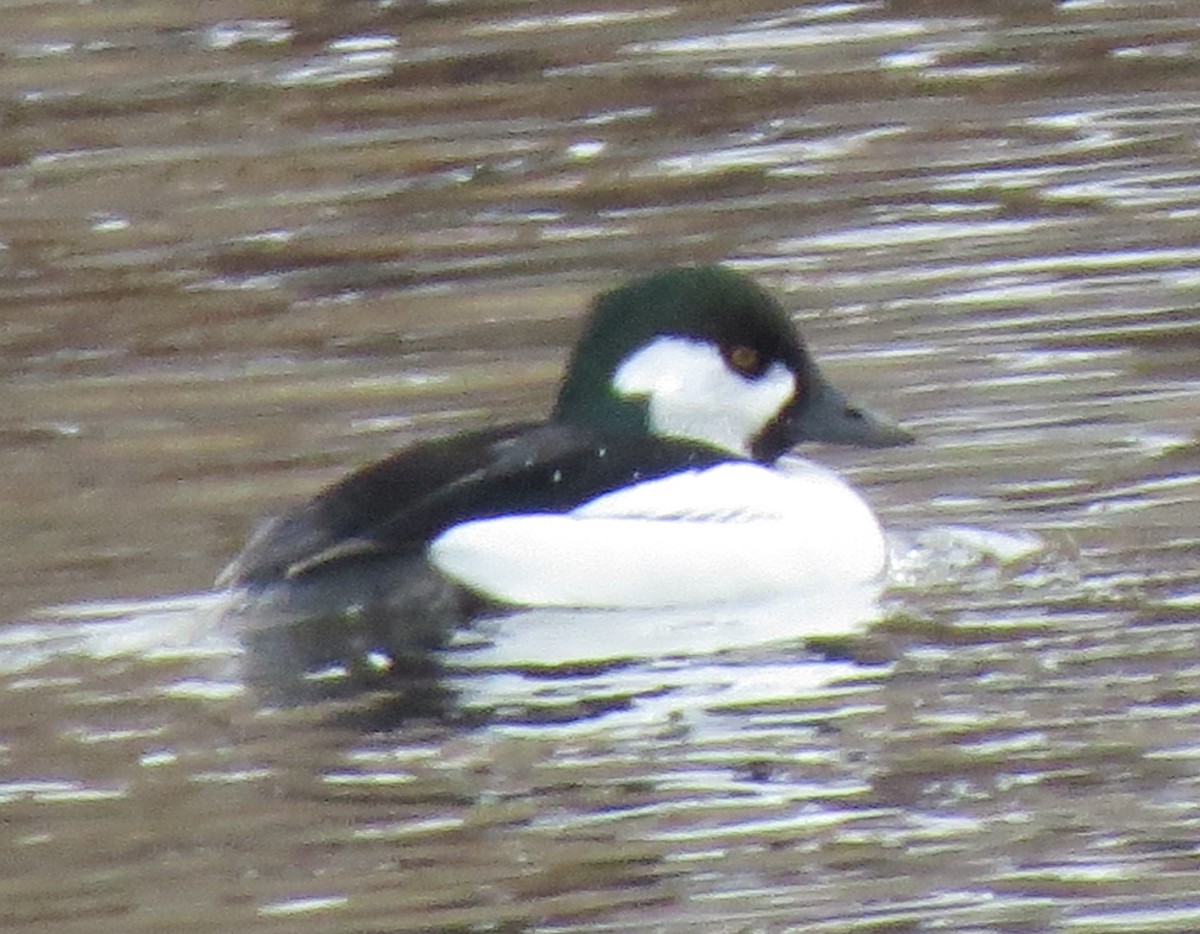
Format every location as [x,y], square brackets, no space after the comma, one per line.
[731,532]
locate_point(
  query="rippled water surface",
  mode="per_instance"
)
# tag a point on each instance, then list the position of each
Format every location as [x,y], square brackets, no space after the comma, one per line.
[248,245]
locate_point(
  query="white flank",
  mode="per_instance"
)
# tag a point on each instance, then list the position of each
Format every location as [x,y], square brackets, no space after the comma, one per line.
[730,532]
[692,393]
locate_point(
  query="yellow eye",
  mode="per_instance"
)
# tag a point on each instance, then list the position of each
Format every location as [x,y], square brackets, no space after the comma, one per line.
[746,360]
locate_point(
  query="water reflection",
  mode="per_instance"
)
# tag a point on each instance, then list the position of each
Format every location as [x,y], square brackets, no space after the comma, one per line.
[631,667]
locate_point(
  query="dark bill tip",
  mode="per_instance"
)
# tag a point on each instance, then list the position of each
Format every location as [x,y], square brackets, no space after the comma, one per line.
[827,416]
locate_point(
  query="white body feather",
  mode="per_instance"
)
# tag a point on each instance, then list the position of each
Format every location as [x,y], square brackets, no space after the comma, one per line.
[735,531]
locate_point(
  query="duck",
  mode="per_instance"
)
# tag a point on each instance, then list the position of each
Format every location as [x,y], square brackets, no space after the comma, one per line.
[659,480]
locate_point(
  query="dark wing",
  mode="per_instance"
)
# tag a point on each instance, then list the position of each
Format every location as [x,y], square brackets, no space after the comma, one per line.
[398,505]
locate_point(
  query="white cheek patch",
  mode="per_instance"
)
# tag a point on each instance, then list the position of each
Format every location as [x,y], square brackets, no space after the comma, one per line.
[693,394]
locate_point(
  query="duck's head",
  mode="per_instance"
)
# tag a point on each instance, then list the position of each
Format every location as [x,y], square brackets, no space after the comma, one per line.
[705,354]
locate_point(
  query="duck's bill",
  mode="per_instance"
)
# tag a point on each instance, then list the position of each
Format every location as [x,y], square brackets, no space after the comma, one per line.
[828,416]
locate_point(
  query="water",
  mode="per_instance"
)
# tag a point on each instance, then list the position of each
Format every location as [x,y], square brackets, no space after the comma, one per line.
[249,246]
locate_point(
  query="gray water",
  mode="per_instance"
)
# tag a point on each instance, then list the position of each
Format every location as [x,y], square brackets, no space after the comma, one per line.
[248,246]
